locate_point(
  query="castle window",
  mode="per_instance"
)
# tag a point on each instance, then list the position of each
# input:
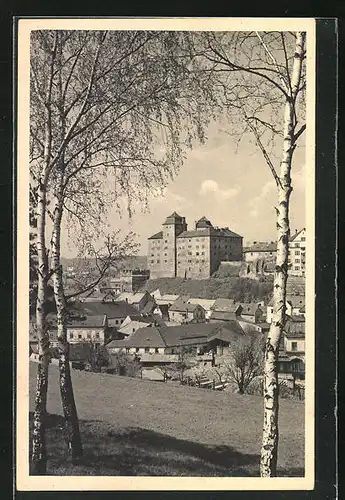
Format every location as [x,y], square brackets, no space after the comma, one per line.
[202,253]
[165,261]
[197,246]
[165,254]
[158,261]
[152,261]
[166,241]
[197,253]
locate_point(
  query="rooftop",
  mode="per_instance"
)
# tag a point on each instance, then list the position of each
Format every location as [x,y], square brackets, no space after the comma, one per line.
[174,218]
[209,232]
[297,233]
[157,236]
[114,309]
[261,246]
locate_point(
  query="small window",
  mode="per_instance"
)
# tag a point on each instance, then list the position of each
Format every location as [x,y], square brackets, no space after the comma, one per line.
[297,261]
[296,268]
[88,335]
[152,261]
[97,335]
[71,335]
[133,330]
[303,238]
[79,335]
[147,349]
[293,346]
[158,261]
[137,349]
[156,350]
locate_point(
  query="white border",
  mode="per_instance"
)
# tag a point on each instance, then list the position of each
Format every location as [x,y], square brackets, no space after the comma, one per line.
[75,483]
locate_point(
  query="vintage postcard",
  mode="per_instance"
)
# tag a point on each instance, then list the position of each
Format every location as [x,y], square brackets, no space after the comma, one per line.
[166,209]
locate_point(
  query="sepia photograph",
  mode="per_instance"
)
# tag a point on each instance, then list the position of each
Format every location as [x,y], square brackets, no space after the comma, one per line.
[165,253]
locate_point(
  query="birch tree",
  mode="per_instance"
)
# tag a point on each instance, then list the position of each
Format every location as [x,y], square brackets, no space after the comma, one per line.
[260,80]
[115,105]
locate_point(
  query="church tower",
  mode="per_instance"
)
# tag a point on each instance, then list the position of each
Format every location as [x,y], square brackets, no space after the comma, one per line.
[172,227]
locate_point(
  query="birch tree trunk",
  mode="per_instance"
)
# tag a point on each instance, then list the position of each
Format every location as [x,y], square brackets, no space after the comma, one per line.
[269,450]
[72,432]
[39,454]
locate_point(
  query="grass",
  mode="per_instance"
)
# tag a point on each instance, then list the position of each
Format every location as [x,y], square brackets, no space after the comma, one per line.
[141,427]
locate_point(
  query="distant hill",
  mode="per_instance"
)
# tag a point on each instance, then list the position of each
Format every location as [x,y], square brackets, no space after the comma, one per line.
[130,262]
[238,289]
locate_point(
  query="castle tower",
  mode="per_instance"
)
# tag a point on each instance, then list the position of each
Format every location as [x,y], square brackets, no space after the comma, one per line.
[172,227]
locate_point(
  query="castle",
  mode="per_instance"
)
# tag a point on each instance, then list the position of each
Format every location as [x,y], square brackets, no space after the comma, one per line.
[197,253]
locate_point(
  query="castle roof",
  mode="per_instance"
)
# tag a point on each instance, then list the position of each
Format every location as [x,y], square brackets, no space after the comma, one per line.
[209,232]
[203,223]
[174,218]
[157,236]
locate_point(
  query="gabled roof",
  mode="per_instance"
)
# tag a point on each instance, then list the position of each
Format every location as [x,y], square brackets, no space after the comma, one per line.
[131,298]
[222,315]
[249,308]
[295,327]
[156,236]
[292,238]
[226,305]
[182,304]
[205,303]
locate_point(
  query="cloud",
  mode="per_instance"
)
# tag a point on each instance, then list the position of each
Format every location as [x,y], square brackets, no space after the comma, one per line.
[210,186]
[257,204]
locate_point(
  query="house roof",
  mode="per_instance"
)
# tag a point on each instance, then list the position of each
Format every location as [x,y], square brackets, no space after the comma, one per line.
[144,337]
[225,305]
[131,298]
[113,310]
[292,238]
[156,236]
[148,307]
[296,300]
[205,303]
[222,315]
[182,304]
[174,218]
[261,246]
[295,327]
[249,308]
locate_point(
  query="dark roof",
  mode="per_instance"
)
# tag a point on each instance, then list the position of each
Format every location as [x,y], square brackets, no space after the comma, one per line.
[222,315]
[173,219]
[115,309]
[156,236]
[292,238]
[144,337]
[249,308]
[148,307]
[78,319]
[203,223]
[295,327]
[296,300]
[261,246]
[209,232]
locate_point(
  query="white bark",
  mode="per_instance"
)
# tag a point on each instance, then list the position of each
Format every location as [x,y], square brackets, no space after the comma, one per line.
[269,450]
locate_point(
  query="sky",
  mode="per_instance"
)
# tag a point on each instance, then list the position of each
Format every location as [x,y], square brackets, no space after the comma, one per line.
[233,187]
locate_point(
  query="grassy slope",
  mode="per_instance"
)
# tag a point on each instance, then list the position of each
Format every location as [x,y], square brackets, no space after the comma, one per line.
[239,289]
[140,427]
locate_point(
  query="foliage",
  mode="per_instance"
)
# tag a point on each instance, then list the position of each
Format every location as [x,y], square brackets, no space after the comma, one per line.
[125,364]
[245,362]
[97,356]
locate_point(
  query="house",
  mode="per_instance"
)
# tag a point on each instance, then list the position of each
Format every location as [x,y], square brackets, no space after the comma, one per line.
[88,329]
[182,311]
[294,336]
[220,316]
[162,344]
[227,305]
[206,304]
[162,311]
[163,299]
[297,253]
[133,322]
[295,306]
[252,312]
[138,300]
[260,250]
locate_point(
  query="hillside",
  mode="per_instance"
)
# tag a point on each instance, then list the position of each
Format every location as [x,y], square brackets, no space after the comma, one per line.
[238,289]
[130,262]
[141,427]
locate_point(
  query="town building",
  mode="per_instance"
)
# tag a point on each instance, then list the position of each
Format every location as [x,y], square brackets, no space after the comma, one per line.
[177,251]
[128,280]
[260,250]
[297,252]
[183,311]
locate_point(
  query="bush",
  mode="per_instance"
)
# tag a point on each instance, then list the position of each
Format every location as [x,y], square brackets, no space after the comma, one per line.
[125,364]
